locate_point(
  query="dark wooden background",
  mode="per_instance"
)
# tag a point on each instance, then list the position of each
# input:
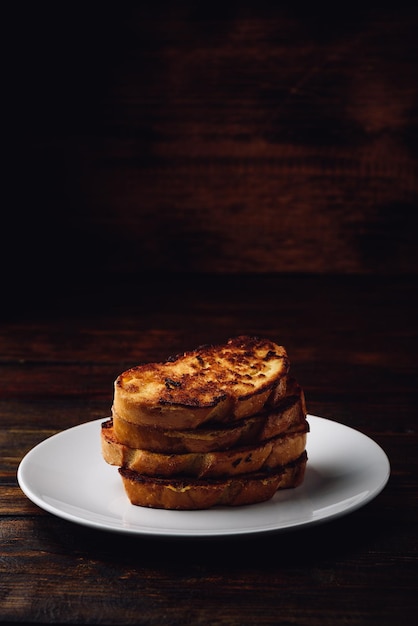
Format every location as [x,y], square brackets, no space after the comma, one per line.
[176,173]
[192,137]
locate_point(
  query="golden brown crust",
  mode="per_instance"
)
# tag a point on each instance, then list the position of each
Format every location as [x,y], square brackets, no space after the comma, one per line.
[220,425]
[290,412]
[192,494]
[268,454]
[217,383]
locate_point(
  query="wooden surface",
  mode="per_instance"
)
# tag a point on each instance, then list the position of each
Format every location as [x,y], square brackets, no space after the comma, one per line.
[248,137]
[352,343]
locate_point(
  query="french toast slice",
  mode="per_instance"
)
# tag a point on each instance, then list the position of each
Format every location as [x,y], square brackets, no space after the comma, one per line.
[268,454]
[212,383]
[290,412]
[193,494]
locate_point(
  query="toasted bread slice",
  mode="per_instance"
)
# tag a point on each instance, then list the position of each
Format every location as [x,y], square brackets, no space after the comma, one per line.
[269,454]
[189,493]
[290,413]
[219,383]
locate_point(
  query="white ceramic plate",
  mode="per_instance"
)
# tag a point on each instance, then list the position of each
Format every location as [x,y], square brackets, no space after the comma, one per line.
[67,476]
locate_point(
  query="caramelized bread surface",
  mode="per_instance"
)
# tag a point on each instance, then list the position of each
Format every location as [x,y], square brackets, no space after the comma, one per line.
[290,412]
[191,494]
[277,451]
[221,425]
[219,383]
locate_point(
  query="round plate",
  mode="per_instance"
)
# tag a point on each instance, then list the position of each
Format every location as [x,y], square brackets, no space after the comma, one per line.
[67,476]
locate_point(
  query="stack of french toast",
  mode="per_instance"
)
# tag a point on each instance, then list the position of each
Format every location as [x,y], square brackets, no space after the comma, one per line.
[219,425]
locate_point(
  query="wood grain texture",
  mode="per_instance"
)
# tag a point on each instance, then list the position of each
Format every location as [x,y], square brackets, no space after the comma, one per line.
[248,139]
[352,343]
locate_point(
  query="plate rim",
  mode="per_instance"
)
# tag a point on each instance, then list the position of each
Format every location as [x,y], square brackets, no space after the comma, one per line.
[26,488]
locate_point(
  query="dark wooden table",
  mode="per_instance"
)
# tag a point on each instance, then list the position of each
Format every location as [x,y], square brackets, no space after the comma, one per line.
[353,346]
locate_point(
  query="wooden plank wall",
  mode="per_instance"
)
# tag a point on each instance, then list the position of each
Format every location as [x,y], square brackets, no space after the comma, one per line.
[243,138]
